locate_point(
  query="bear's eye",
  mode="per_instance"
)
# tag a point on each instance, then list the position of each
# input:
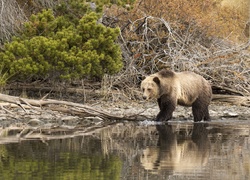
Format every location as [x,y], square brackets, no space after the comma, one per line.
[143,89]
[149,89]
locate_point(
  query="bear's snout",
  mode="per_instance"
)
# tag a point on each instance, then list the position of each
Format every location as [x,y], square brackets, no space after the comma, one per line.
[144,97]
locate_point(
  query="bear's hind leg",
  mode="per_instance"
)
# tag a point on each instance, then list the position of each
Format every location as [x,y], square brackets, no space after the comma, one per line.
[207,116]
[198,116]
[200,111]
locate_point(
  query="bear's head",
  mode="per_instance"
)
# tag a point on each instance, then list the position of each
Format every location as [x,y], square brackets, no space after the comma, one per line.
[150,87]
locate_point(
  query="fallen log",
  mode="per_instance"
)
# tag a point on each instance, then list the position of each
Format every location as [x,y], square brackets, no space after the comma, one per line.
[83,110]
[233,99]
[67,107]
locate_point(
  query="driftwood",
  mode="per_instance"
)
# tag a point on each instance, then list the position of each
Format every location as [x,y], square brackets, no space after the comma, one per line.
[227,90]
[83,110]
[233,99]
[65,107]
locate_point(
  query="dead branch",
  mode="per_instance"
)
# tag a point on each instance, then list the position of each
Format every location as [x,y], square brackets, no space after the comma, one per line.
[14,13]
[11,17]
[68,107]
[226,90]
[237,100]
[152,43]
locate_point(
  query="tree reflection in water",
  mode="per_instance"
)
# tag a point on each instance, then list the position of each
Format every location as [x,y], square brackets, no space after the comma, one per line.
[129,150]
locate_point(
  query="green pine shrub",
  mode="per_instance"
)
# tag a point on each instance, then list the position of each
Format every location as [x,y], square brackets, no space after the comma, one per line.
[56,47]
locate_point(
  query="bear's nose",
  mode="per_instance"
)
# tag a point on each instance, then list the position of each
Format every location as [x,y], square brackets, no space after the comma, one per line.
[144,97]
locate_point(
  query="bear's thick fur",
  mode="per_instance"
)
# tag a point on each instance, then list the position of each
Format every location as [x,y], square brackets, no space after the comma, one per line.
[183,88]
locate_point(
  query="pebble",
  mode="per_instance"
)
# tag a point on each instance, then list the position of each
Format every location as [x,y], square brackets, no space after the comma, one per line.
[230,114]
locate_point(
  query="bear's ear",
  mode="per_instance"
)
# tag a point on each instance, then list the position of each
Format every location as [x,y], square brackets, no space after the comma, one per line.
[156,80]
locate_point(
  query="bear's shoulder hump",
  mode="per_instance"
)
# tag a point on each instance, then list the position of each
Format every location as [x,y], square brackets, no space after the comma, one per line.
[166,73]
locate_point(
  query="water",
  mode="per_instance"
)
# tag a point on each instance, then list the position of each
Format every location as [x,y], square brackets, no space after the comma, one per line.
[134,151]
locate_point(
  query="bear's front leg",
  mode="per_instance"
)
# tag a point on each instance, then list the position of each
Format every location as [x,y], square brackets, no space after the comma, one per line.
[167,106]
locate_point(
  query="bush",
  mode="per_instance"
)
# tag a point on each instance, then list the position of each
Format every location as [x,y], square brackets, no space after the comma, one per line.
[52,47]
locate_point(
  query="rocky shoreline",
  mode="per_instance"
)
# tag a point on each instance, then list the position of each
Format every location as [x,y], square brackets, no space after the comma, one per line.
[47,118]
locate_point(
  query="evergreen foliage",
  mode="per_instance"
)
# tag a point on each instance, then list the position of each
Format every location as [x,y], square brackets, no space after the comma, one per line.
[110,2]
[62,46]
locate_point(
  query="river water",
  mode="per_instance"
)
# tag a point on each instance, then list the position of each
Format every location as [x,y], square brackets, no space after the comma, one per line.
[128,150]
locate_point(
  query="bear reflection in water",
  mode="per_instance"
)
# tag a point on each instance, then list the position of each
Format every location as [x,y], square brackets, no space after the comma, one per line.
[177,152]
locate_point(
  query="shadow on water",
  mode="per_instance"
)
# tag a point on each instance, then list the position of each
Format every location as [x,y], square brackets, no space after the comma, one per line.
[175,150]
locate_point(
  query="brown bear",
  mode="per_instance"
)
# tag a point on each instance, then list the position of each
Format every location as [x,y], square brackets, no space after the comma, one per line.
[183,88]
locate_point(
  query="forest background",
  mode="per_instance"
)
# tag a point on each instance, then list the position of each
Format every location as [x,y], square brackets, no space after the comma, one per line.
[112,44]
